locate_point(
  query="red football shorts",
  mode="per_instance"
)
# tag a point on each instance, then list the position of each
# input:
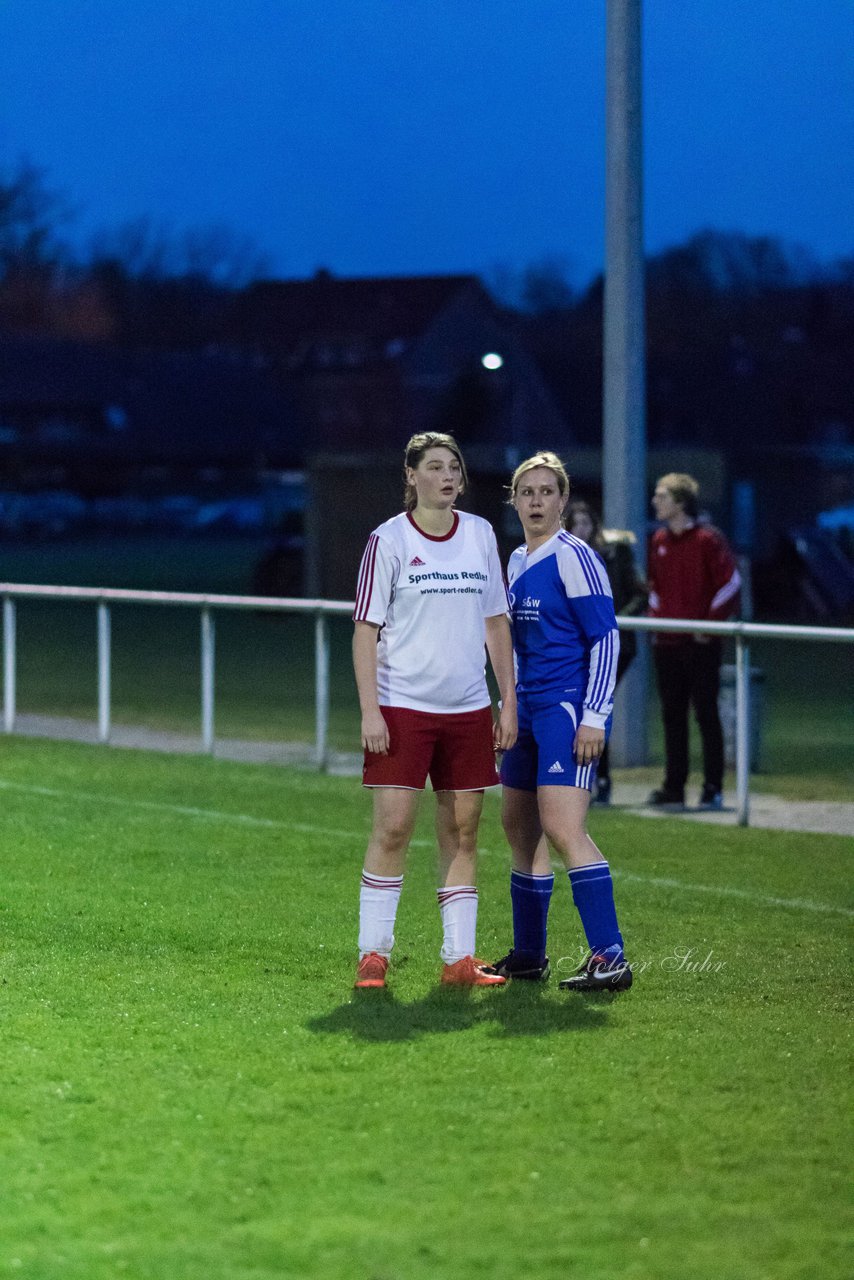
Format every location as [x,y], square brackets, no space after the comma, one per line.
[454,751]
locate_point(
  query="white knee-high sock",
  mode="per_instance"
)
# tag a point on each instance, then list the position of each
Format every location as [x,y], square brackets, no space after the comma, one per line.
[458,905]
[378,899]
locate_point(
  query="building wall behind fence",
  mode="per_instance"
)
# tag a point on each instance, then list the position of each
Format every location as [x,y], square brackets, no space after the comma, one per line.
[348,495]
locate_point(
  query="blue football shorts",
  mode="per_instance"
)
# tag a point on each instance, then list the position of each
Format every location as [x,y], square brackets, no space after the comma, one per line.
[542,755]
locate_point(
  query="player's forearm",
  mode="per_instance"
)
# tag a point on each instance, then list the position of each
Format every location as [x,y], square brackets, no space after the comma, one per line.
[599,698]
[365,665]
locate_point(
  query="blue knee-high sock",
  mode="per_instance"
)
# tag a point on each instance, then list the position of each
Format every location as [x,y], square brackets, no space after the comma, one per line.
[593,895]
[530,897]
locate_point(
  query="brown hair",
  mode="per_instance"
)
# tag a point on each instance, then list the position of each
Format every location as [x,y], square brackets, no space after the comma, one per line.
[578,504]
[683,489]
[415,451]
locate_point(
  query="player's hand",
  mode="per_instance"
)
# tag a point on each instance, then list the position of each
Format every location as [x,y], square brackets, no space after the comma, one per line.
[505,729]
[588,745]
[375,736]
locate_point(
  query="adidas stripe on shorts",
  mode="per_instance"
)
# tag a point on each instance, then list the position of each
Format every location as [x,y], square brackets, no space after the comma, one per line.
[542,756]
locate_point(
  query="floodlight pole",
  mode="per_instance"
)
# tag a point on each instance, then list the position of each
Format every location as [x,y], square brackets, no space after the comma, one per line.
[623,410]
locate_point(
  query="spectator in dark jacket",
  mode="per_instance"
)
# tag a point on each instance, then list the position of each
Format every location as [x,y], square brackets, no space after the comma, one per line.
[692,574]
[615,546]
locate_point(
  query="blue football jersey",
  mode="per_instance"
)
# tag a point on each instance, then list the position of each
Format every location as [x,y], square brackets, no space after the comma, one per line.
[564,630]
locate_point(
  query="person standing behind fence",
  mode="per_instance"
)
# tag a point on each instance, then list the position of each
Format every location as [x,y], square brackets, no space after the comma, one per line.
[630,599]
[692,574]
[430,596]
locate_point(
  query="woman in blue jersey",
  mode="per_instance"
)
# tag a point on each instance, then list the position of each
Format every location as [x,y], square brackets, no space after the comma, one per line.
[566,644]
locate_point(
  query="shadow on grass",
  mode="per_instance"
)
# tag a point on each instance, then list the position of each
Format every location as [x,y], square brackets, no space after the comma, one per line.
[514,1011]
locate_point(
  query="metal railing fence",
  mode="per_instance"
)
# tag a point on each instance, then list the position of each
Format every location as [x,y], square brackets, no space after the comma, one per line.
[104,597]
[321,610]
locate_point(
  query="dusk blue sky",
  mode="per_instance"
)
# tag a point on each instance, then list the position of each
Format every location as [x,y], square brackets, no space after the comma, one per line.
[410,136]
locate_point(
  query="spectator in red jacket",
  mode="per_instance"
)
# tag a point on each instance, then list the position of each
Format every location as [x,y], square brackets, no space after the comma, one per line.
[692,574]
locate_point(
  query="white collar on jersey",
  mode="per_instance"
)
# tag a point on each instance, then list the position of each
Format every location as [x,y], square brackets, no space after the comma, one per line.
[544,549]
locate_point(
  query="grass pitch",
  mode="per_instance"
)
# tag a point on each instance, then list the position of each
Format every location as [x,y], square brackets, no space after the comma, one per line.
[192,1090]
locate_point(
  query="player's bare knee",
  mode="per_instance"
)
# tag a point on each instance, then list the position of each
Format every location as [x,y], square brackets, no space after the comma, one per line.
[565,835]
[393,838]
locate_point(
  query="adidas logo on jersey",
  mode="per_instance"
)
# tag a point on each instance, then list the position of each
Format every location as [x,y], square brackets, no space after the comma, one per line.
[416,563]
[556,767]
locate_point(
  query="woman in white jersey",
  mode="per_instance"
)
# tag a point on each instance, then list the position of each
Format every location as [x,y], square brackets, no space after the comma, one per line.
[567,645]
[430,596]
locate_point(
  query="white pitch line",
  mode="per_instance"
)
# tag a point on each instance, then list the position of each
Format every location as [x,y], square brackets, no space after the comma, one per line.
[728,891]
[308,828]
[208,815]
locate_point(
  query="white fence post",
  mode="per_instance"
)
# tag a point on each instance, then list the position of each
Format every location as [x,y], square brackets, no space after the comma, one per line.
[8,664]
[208,643]
[742,730]
[104,672]
[321,691]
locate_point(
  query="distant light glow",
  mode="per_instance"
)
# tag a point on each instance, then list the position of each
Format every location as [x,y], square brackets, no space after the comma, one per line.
[492,360]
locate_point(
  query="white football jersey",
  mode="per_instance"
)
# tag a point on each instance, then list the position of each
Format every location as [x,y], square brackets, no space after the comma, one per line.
[430,597]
